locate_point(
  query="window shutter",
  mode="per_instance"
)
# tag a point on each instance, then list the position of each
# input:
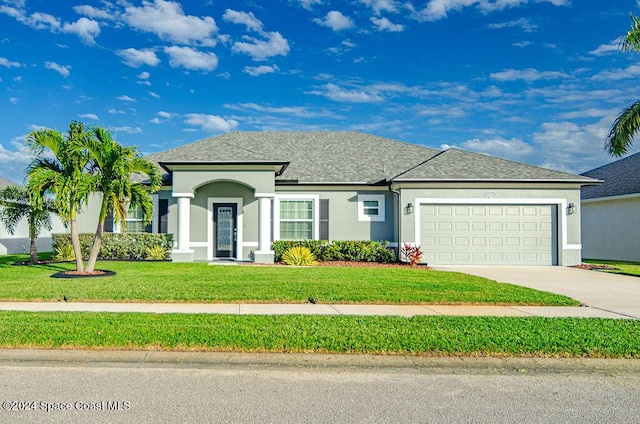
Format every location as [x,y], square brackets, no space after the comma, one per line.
[108,223]
[163,213]
[324,219]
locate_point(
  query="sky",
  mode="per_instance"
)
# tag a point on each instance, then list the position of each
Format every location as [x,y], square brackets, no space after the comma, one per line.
[536,81]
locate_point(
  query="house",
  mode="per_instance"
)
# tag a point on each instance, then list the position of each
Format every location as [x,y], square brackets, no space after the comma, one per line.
[229,196]
[611,211]
[19,242]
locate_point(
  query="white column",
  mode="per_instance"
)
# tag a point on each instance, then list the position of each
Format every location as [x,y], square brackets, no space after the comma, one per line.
[184,228]
[154,218]
[264,254]
[183,253]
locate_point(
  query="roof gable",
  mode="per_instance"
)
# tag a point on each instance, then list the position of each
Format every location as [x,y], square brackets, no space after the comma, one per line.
[620,177]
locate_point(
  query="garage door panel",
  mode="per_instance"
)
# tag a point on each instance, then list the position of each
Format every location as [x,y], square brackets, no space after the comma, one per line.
[489,234]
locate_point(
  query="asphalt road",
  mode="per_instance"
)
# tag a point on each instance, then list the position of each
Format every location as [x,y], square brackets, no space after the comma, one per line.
[321,391]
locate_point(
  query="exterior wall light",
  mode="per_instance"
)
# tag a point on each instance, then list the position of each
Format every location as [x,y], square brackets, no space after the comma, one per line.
[571,209]
[408,210]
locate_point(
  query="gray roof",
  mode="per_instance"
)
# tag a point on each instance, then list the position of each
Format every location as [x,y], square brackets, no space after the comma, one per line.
[313,157]
[353,157]
[455,164]
[620,177]
[4,182]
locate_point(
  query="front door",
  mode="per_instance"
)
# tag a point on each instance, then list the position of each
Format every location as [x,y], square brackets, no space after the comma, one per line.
[225,230]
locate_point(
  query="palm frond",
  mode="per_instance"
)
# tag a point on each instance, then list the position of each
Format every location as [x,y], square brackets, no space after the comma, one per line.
[624,129]
[631,40]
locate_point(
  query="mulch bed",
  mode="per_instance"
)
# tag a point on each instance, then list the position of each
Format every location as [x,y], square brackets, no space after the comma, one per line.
[594,267]
[83,274]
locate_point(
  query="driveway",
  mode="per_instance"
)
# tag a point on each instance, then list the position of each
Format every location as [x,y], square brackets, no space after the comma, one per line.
[610,292]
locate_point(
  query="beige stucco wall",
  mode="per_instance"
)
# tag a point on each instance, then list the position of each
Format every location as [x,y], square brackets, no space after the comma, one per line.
[610,229]
[569,252]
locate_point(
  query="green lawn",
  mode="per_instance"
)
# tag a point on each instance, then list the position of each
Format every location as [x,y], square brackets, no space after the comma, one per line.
[627,268]
[425,335]
[199,282]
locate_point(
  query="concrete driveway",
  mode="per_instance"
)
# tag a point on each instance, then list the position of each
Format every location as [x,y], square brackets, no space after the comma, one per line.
[609,292]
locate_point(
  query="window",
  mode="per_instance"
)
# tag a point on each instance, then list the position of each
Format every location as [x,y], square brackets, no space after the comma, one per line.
[296,219]
[371,207]
[134,221]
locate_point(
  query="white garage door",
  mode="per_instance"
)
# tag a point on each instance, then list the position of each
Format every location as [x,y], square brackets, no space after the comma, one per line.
[489,234]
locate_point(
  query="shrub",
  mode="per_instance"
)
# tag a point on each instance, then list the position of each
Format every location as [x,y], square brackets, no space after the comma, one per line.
[349,250]
[411,253]
[298,256]
[64,253]
[156,253]
[118,245]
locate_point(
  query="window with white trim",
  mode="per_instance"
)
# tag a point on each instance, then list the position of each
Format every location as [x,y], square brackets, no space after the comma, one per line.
[296,219]
[371,207]
[135,222]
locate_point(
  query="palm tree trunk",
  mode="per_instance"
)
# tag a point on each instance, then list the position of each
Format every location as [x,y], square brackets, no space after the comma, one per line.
[97,240]
[75,241]
[33,247]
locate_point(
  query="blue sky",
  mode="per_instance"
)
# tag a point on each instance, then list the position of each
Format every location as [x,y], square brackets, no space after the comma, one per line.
[538,81]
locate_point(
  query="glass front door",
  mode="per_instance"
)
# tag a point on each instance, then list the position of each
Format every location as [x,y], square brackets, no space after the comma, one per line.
[224,217]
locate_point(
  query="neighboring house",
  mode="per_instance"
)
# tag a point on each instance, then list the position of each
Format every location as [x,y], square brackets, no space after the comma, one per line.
[230,196]
[611,212]
[19,242]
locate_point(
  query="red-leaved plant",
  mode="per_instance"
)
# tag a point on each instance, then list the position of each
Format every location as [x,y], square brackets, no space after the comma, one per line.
[412,254]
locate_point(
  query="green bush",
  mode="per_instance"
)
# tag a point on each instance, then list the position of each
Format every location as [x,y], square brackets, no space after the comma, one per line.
[129,246]
[64,253]
[298,256]
[156,253]
[348,250]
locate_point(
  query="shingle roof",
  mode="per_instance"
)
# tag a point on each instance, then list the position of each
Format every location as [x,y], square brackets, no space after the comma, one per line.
[455,164]
[353,157]
[4,182]
[322,157]
[620,177]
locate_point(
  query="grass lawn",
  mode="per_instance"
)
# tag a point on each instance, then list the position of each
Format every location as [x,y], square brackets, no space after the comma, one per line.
[425,335]
[199,282]
[627,268]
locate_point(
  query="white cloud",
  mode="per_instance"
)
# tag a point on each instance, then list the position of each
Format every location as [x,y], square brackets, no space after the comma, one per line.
[439,9]
[94,12]
[632,71]
[135,58]
[528,74]
[522,44]
[514,148]
[154,95]
[243,18]
[336,21]
[385,24]
[189,58]
[603,49]
[308,4]
[167,20]
[14,100]
[297,111]
[570,147]
[523,23]
[14,160]
[86,29]
[91,116]
[144,75]
[381,5]
[339,94]
[8,64]
[260,70]
[589,113]
[126,98]
[212,123]
[128,130]
[61,69]
[274,45]
[165,115]
[117,112]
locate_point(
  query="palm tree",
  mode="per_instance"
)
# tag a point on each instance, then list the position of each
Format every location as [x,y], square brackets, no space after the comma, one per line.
[15,205]
[627,124]
[60,169]
[114,166]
